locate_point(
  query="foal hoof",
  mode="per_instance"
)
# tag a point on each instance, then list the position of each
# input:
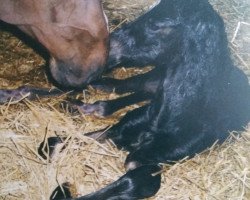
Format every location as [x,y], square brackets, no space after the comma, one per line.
[98,108]
[14,95]
[61,192]
[47,148]
[144,181]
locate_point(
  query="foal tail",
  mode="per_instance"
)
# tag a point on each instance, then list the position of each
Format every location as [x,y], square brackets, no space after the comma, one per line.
[140,183]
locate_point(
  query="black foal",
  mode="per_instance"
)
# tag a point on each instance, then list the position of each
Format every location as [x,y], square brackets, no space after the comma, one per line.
[197,95]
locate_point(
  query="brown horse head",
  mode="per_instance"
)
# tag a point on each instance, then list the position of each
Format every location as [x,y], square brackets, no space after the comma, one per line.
[74,32]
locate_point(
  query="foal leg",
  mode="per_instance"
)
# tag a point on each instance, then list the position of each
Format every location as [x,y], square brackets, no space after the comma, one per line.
[144,87]
[139,183]
[129,132]
[105,108]
[147,82]
[27,92]
[126,134]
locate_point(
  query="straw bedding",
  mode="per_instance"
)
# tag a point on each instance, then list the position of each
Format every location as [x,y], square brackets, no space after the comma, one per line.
[220,173]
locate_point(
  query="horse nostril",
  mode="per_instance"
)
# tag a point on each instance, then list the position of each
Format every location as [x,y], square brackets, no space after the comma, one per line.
[67,74]
[70,75]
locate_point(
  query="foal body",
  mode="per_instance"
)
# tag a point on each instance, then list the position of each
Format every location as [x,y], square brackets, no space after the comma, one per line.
[197,96]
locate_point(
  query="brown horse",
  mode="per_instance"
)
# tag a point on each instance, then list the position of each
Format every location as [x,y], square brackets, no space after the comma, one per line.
[74,32]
